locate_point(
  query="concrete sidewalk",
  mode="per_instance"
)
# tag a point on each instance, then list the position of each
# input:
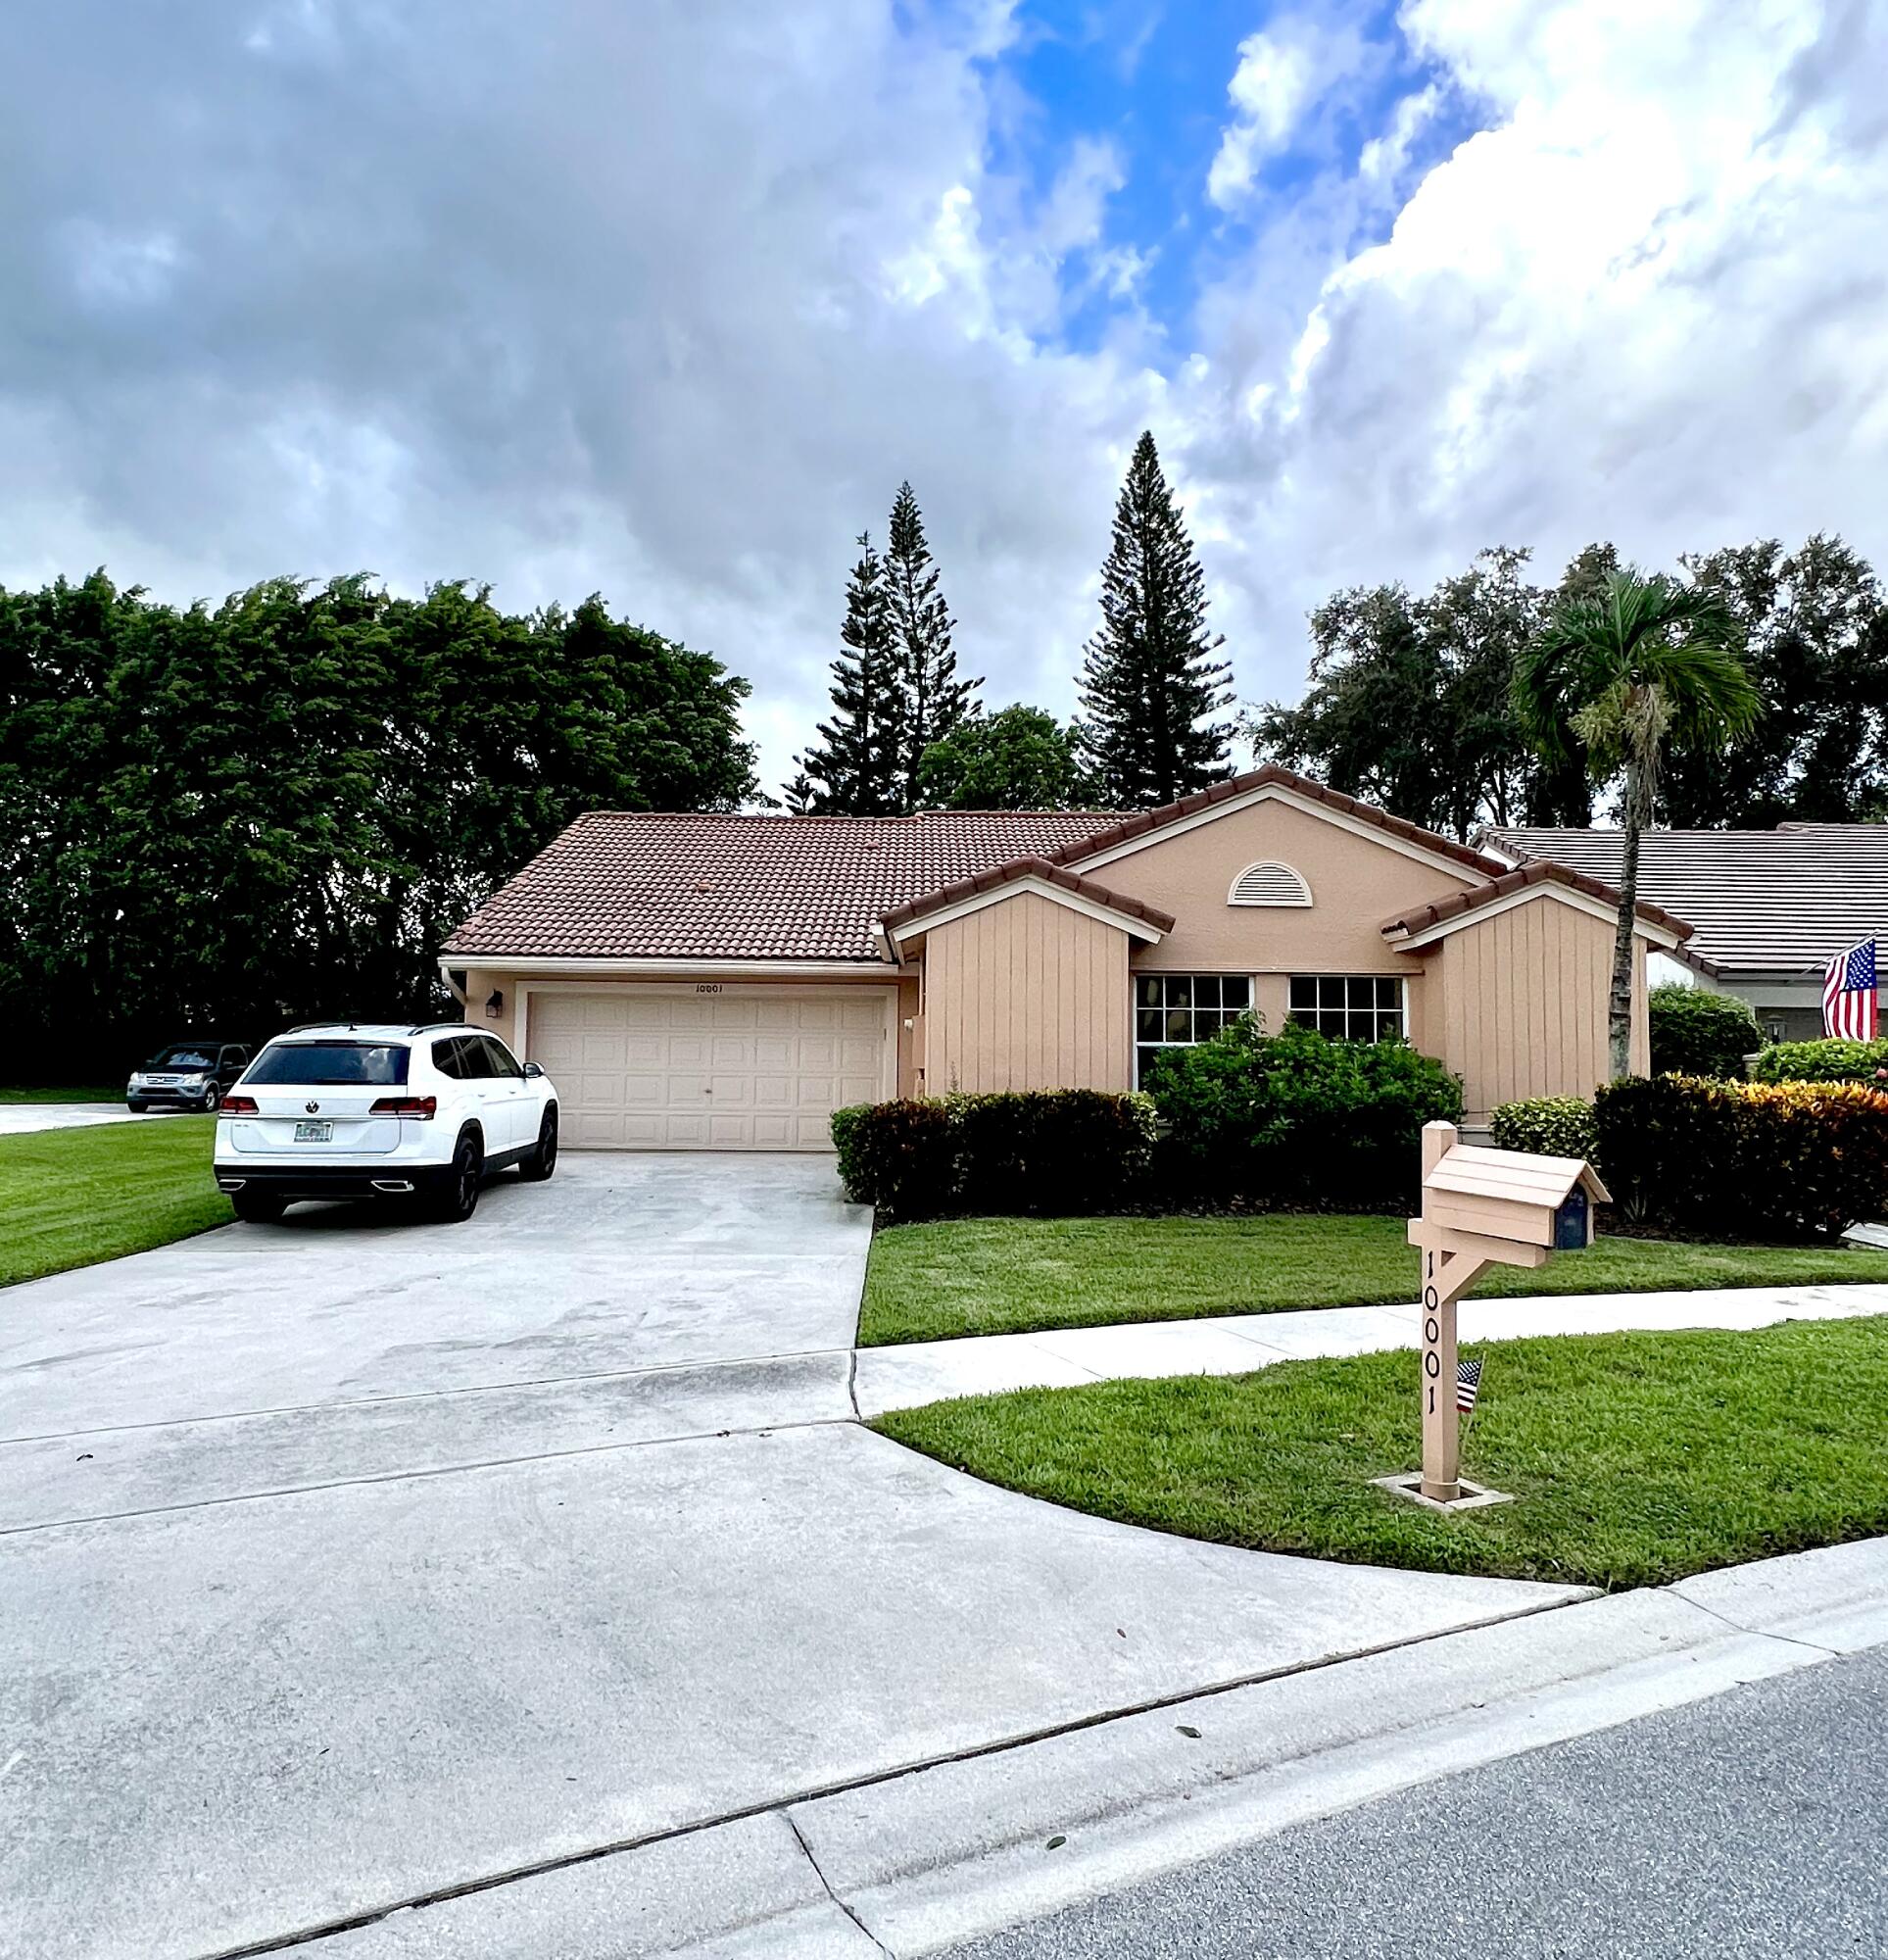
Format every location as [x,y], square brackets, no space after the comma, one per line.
[25,1119]
[907,1377]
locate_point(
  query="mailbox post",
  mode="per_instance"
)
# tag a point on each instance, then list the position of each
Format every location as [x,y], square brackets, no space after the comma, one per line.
[1480,1208]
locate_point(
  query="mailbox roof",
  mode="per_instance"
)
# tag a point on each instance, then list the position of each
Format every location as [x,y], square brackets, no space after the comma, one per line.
[1517,1175]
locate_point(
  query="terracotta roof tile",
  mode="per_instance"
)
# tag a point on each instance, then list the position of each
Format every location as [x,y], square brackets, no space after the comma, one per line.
[1421,917]
[1026,867]
[635,885]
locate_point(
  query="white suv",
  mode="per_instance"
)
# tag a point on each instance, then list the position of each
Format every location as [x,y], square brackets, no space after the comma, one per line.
[382,1112]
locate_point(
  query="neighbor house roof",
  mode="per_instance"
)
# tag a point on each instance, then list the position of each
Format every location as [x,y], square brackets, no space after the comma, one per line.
[637,885]
[1419,919]
[1779,900]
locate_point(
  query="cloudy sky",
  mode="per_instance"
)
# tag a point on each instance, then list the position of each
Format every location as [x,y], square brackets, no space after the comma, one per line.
[662,298]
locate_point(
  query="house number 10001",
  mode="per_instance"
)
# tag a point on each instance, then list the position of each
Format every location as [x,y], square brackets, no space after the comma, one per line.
[708,987]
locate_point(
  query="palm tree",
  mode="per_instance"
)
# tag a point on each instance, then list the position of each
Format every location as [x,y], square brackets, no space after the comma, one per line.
[1619,668]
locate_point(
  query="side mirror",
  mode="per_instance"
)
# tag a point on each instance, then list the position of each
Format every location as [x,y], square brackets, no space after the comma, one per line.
[533,1072]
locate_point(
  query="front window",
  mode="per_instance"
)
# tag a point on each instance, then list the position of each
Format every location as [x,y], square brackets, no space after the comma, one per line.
[1349,1007]
[1179,1009]
[330,1064]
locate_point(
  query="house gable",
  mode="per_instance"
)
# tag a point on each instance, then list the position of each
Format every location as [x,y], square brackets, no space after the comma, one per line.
[1356,876]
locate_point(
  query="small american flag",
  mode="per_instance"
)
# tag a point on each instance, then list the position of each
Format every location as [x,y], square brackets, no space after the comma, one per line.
[1849,1005]
[1468,1385]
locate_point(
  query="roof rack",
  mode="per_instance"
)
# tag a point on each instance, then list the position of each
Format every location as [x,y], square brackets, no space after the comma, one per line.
[422,1027]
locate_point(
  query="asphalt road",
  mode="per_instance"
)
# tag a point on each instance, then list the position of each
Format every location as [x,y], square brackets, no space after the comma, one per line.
[1755,1825]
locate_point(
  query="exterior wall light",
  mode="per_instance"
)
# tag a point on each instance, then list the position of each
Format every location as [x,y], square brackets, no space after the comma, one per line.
[494,1004]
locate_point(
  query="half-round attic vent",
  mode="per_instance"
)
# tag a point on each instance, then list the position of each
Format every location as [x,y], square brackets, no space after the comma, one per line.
[1268,884]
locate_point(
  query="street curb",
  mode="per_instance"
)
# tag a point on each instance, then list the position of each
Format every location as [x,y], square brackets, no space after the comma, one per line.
[908,1865]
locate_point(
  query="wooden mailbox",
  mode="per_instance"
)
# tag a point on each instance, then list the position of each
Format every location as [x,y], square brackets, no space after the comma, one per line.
[1481,1208]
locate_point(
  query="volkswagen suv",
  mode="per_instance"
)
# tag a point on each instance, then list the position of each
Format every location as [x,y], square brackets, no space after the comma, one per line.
[416,1113]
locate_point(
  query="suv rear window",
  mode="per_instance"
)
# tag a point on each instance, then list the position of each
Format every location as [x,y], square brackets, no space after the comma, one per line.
[330,1064]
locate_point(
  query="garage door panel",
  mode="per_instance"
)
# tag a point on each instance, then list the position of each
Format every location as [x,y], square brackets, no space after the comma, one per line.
[665,1070]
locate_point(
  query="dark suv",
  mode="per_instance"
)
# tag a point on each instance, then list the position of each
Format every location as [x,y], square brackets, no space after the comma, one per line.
[187,1075]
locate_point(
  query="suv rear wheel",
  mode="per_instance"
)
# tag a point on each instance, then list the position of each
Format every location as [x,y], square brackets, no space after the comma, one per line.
[544,1159]
[457,1197]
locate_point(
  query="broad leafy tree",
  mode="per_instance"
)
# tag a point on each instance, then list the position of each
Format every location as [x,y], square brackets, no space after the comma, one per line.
[1017,759]
[932,700]
[1151,688]
[856,768]
[216,820]
[1620,671]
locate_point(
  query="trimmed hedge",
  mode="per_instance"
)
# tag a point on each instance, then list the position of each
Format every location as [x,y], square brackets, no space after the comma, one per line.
[1039,1151]
[1295,1118]
[1822,1061]
[1743,1160]
[1695,1033]
[1554,1126]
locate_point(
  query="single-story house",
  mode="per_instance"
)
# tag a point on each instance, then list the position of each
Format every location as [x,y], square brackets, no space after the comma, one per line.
[724,982]
[1769,908]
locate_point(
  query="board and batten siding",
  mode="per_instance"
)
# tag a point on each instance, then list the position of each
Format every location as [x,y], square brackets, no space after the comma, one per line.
[1025,994]
[1520,1009]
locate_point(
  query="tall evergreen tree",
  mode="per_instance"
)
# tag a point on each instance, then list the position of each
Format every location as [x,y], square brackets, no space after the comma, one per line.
[933,701]
[1150,682]
[856,767]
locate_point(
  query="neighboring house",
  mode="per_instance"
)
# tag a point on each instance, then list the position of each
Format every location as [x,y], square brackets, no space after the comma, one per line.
[1769,908]
[725,982]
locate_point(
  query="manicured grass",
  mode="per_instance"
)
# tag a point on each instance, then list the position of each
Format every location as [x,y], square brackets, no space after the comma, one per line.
[1635,1458]
[1014,1275]
[110,1093]
[68,1198]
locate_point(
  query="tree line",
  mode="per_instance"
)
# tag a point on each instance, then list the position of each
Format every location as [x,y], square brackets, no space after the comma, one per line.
[906,733]
[222,818]
[1411,703]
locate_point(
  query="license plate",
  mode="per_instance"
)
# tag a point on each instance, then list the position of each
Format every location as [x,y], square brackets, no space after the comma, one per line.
[313,1133]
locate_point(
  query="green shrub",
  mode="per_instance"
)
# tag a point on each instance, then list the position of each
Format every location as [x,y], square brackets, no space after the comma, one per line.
[1051,1150]
[1061,1151]
[1554,1126]
[1296,1118]
[1743,1160]
[900,1157]
[1695,1033]
[1822,1061]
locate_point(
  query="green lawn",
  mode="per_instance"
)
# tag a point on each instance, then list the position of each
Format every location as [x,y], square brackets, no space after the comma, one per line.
[68,1198]
[1635,1458]
[1014,1275]
[111,1093]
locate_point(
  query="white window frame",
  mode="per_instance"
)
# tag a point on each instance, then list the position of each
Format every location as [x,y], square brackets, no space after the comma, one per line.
[1222,1019]
[1347,980]
[1291,871]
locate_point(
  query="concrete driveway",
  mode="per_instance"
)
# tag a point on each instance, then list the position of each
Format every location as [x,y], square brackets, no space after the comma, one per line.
[346,1563]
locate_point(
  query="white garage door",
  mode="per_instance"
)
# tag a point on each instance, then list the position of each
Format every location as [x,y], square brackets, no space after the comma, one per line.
[738,1069]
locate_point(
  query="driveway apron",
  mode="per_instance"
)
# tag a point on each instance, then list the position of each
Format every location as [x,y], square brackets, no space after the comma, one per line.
[348,1562]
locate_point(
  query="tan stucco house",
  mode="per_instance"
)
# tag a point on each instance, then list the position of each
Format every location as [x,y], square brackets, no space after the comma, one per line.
[714,981]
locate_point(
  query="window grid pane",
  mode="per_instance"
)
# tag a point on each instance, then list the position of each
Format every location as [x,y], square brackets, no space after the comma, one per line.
[1181,1009]
[1346,1007]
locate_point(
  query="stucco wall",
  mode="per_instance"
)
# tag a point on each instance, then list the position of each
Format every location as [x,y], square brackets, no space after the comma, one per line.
[1025,994]
[1517,1004]
[1356,883]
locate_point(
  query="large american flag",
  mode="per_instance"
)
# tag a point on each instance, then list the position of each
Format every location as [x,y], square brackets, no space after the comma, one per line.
[1849,1008]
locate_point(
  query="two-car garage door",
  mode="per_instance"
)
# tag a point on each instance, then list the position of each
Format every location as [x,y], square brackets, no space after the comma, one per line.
[729,1068]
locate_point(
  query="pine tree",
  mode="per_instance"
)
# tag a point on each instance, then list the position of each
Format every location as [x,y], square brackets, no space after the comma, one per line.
[856,767]
[1150,682]
[933,701]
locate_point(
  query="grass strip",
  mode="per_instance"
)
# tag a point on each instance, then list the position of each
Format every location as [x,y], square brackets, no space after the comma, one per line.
[1634,1458]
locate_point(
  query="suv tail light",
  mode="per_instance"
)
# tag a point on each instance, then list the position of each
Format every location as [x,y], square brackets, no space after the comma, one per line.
[421,1109]
[239,1106]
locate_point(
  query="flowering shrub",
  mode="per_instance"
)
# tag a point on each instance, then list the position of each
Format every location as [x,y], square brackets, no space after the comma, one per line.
[1743,1160]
